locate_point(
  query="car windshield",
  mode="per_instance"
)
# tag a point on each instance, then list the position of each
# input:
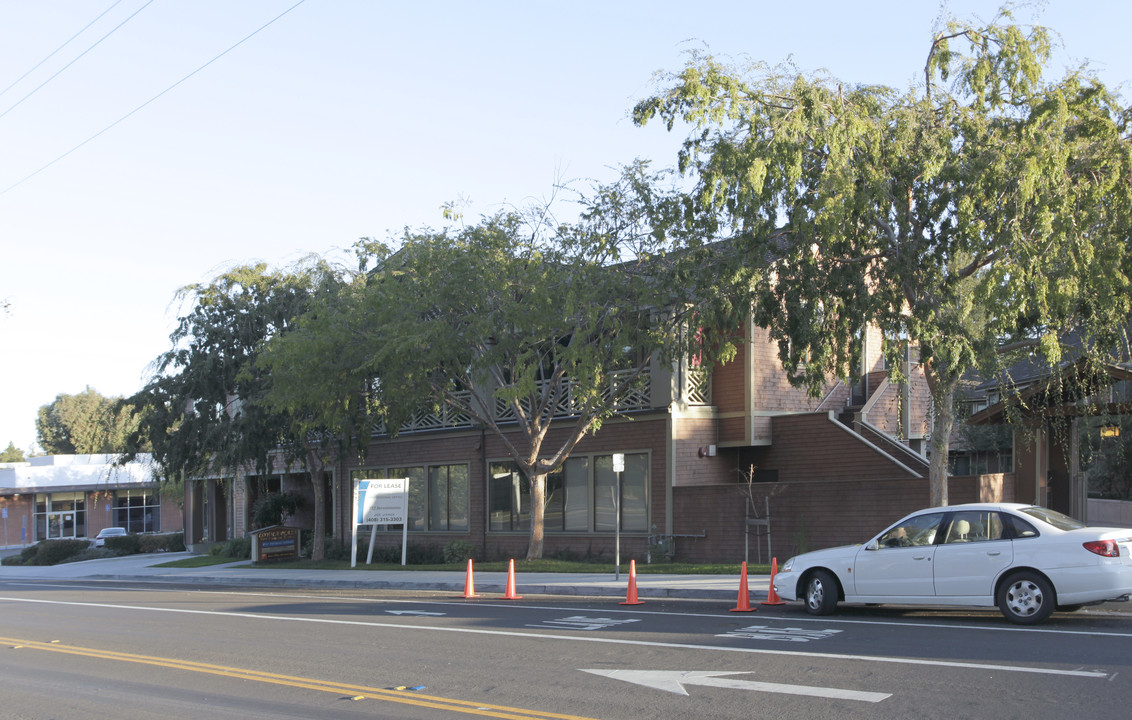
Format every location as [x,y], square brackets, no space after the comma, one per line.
[1053,517]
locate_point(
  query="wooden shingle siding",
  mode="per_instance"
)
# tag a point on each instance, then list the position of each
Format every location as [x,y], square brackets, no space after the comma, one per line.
[728,382]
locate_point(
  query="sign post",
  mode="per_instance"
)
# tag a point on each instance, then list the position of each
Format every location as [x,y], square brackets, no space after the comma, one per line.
[618,468]
[380,502]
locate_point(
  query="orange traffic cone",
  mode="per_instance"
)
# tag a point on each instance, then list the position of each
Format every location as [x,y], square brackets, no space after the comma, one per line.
[772,596]
[510,594]
[469,583]
[631,596]
[744,594]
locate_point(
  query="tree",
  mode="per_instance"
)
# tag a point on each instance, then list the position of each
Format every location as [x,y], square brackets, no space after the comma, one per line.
[12,454]
[203,407]
[83,424]
[974,219]
[517,323]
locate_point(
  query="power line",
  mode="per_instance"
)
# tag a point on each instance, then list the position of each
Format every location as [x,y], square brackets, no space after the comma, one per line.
[77,58]
[56,50]
[152,99]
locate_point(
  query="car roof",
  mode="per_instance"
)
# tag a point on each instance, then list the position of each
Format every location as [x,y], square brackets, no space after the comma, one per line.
[977,506]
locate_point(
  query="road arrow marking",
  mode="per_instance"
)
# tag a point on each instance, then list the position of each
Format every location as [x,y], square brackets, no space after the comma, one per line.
[673,681]
[414,612]
[579,622]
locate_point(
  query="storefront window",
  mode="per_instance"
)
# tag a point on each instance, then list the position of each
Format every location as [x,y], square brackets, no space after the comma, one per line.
[581,497]
[438,495]
[137,510]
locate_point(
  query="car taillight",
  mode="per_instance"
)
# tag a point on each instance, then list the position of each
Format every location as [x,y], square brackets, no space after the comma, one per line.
[1104,548]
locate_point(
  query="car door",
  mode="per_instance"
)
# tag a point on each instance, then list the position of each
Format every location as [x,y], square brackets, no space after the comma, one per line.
[973,552]
[898,562]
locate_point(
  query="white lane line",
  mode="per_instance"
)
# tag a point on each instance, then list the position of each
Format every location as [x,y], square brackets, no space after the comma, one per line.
[576,638]
[916,623]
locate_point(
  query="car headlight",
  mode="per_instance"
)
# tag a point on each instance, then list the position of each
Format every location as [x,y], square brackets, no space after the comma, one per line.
[786,566]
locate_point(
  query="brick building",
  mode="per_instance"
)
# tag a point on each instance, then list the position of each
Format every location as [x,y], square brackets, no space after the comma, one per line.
[75,496]
[709,456]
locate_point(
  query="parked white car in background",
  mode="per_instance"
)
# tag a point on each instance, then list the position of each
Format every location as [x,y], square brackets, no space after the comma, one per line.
[1027,560]
[100,538]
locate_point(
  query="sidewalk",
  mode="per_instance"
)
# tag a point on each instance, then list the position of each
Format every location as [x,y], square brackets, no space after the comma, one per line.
[142,568]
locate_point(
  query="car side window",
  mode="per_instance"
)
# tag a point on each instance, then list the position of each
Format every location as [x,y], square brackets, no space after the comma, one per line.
[914,532]
[1017,528]
[974,526]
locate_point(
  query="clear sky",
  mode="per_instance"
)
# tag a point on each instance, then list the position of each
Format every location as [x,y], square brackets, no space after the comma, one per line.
[343,119]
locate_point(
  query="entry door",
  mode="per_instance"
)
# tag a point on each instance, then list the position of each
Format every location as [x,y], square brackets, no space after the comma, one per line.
[61,525]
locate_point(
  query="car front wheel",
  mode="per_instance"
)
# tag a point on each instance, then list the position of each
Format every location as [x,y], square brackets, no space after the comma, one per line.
[1026,598]
[821,593]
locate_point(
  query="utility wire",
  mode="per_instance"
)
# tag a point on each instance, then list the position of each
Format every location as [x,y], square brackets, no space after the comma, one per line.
[152,99]
[77,58]
[56,50]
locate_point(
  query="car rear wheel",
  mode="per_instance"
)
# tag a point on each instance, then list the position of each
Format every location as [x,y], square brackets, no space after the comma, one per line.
[821,593]
[1026,598]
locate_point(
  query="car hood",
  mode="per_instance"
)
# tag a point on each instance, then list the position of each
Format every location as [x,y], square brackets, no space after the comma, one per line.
[821,556]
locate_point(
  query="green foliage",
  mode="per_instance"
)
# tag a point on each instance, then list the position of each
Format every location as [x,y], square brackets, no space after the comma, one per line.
[161,542]
[84,424]
[52,552]
[334,549]
[123,544]
[12,454]
[417,554]
[272,508]
[458,551]
[982,211]
[203,412]
[238,548]
[516,313]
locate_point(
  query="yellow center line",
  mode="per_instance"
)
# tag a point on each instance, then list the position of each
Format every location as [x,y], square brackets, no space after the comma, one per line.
[356,691]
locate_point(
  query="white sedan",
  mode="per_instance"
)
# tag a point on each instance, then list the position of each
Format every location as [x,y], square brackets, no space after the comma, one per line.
[1027,560]
[100,539]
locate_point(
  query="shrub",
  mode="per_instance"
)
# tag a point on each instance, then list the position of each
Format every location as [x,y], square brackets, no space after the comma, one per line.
[92,553]
[423,555]
[458,551]
[124,544]
[238,548]
[53,552]
[333,550]
[391,554]
[164,542]
[272,508]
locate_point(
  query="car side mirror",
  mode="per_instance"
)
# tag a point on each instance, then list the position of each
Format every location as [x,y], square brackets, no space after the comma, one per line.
[872,545]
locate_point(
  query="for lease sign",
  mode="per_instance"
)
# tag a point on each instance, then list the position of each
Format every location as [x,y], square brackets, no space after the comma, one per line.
[383,502]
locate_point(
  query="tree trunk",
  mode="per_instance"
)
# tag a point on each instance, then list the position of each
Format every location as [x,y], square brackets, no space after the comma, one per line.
[318,486]
[538,515]
[943,421]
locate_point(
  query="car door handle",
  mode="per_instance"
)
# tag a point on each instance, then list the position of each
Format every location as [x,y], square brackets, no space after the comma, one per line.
[918,557]
[994,553]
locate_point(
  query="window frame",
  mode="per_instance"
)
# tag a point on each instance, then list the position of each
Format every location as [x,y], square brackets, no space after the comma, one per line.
[558,513]
[421,494]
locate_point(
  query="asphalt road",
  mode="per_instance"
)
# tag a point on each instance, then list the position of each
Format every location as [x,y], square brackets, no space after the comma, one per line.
[78,648]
